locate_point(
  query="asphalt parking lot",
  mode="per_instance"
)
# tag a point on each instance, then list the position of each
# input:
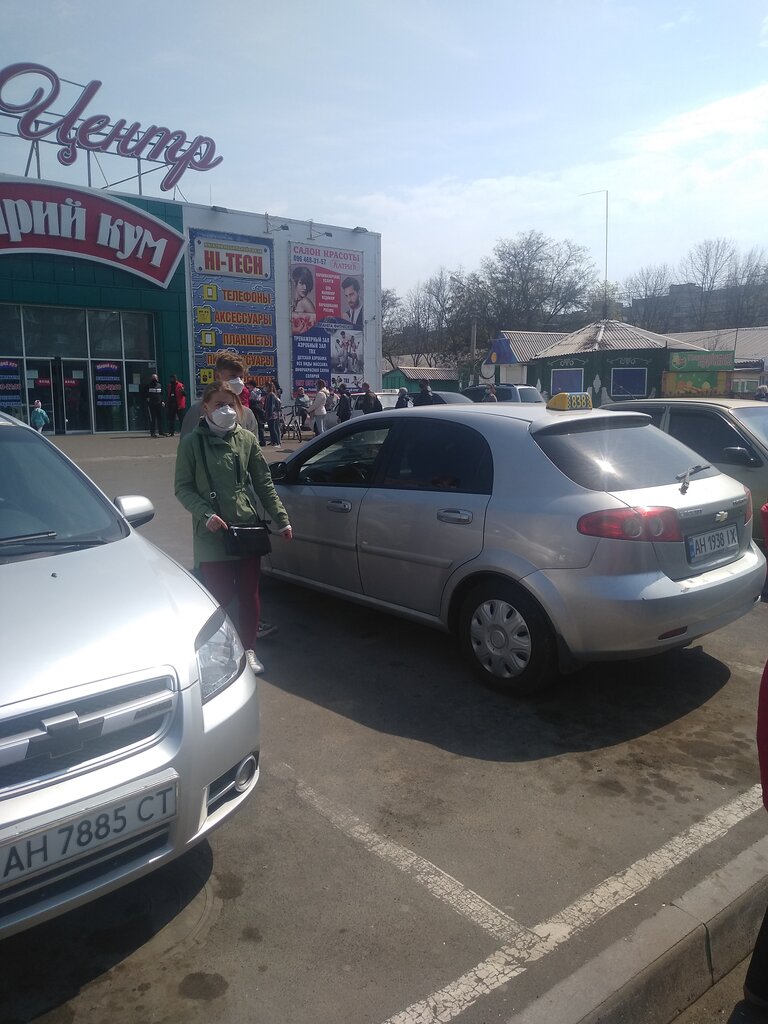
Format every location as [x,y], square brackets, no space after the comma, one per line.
[419,848]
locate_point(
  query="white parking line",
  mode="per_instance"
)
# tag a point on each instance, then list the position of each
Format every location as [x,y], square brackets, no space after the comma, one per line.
[521,945]
[442,885]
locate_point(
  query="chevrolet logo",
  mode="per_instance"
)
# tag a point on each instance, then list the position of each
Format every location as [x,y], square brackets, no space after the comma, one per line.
[720,517]
[62,735]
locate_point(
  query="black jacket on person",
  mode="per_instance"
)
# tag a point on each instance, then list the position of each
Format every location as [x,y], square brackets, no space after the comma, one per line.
[370,403]
[344,408]
[424,398]
[403,402]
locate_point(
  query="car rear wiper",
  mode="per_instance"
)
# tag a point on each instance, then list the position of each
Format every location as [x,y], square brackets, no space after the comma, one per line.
[684,478]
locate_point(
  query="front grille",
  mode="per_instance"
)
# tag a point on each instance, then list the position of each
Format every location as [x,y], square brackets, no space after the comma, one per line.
[82,732]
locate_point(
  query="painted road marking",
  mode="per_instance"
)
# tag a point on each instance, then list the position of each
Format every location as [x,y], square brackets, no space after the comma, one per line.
[442,885]
[521,945]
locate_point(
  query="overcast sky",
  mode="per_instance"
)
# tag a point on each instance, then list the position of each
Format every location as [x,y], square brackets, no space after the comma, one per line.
[442,124]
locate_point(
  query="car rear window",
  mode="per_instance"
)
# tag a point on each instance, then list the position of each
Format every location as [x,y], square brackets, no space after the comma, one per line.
[606,456]
[755,418]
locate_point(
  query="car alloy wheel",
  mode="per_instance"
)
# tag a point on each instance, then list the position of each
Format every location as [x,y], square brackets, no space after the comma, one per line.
[507,638]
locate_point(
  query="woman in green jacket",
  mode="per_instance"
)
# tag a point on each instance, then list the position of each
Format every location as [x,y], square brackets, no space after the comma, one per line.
[232,456]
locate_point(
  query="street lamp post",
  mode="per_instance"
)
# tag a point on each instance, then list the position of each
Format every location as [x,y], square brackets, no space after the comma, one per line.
[599,192]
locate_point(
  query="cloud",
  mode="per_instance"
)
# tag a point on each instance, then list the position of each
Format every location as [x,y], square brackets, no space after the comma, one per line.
[739,118]
[686,18]
[700,174]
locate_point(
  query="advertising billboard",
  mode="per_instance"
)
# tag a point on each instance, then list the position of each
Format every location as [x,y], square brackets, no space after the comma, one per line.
[233,302]
[327,316]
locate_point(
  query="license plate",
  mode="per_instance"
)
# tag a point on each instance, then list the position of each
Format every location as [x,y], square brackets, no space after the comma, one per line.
[74,837]
[716,542]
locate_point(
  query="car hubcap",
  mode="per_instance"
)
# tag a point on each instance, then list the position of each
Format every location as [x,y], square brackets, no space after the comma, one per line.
[500,639]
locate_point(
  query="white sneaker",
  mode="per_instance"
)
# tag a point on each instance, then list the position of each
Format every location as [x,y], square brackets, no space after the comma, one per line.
[253,663]
[279,447]
[266,629]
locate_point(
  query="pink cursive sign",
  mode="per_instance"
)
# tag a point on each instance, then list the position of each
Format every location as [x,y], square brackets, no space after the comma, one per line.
[97,133]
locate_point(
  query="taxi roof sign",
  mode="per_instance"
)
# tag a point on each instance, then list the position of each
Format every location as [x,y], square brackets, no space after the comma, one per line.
[570,400]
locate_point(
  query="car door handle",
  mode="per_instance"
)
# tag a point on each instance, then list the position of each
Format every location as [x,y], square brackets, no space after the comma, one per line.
[339,505]
[454,515]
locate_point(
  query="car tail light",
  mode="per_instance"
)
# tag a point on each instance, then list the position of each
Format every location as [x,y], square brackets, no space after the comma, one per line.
[748,508]
[654,524]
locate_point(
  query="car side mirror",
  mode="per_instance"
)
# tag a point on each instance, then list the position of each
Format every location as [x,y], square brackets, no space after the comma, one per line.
[279,471]
[136,509]
[741,456]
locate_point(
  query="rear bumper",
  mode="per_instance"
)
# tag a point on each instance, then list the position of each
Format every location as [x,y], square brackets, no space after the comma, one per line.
[613,617]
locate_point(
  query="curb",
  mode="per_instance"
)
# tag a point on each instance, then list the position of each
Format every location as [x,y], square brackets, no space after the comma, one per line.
[670,960]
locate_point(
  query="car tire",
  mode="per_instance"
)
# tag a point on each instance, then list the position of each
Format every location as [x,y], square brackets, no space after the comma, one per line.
[507,639]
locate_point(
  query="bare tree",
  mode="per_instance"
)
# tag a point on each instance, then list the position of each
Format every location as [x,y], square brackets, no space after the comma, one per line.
[531,279]
[646,292]
[706,266]
[747,289]
[417,324]
[391,325]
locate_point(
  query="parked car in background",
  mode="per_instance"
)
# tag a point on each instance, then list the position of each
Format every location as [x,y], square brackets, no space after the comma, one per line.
[730,433]
[448,398]
[540,537]
[129,722]
[387,399]
[506,393]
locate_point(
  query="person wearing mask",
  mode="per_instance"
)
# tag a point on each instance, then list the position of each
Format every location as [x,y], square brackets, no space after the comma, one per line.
[39,417]
[403,399]
[317,408]
[344,406]
[219,456]
[272,407]
[256,405]
[370,402]
[425,396]
[175,403]
[301,407]
[155,406]
[229,368]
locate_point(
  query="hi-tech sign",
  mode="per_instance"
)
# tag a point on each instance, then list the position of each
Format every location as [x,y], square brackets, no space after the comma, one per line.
[37,217]
[97,133]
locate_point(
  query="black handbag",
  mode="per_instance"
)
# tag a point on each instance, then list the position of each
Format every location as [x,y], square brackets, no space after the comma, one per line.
[243,541]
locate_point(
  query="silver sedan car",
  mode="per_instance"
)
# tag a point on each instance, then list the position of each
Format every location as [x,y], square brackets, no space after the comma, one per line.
[129,721]
[541,538]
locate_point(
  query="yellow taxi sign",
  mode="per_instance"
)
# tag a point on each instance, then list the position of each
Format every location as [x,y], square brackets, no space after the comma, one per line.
[570,400]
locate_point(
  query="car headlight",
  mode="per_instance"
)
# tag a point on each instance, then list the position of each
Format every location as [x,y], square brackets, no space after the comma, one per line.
[220,655]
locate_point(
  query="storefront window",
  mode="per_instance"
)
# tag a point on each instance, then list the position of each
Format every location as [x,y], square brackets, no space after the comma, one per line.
[138,336]
[54,331]
[137,377]
[10,330]
[11,399]
[108,394]
[104,334]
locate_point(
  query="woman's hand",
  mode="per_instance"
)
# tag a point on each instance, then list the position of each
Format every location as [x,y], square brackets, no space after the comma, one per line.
[287,533]
[215,523]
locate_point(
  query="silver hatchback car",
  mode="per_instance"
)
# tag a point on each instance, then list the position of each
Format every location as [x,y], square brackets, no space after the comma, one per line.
[129,721]
[541,538]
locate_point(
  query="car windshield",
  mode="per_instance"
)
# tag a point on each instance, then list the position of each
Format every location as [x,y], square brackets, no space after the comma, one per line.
[629,455]
[45,505]
[754,418]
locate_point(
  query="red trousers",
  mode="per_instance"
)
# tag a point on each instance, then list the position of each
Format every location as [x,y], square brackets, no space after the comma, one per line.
[237,578]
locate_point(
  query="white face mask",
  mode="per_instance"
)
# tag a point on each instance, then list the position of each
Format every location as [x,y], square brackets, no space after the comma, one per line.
[236,385]
[224,417]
